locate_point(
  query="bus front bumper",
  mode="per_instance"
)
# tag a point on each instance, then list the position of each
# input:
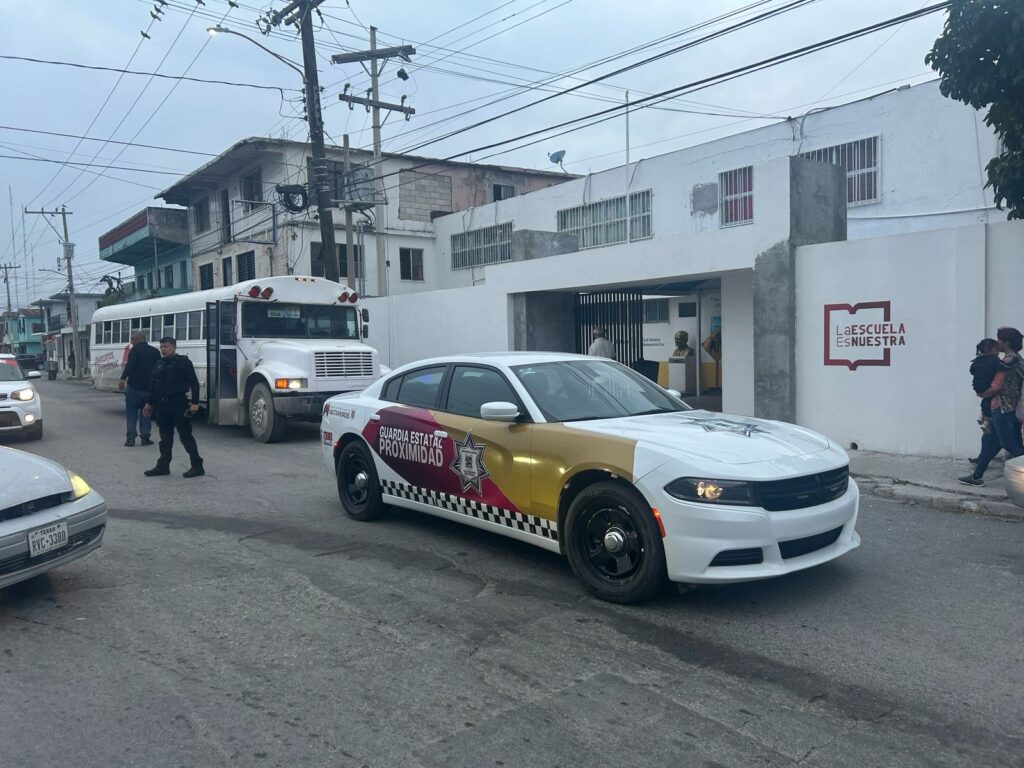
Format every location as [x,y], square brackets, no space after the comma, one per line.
[299,405]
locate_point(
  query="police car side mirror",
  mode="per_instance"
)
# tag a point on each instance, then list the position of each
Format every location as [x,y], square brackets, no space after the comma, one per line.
[34,375]
[675,393]
[499,411]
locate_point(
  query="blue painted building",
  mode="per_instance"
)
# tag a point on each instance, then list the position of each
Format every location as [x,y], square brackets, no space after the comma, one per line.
[155,243]
[18,332]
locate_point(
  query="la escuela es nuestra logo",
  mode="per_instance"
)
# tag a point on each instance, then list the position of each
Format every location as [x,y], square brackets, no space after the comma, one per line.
[862,334]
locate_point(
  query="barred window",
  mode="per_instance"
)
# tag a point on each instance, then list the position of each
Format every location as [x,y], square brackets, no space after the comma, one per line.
[489,245]
[860,161]
[655,310]
[609,221]
[736,197]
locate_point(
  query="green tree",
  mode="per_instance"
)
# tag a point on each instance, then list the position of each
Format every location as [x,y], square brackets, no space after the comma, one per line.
[980,60]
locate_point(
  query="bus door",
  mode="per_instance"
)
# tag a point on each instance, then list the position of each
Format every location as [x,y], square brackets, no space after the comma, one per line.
[221,364]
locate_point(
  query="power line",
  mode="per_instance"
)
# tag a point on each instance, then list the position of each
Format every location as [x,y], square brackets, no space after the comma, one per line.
[78,65]
[108,141]
[706,82]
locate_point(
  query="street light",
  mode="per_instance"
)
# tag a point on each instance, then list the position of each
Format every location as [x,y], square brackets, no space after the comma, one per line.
[218,29]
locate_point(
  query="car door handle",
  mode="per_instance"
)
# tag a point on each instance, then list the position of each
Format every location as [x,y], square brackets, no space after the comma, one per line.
[374,417]
[440,433]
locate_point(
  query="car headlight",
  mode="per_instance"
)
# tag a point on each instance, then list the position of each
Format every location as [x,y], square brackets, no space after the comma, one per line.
[23,394]
[290,383]
[78,485]
[707,491]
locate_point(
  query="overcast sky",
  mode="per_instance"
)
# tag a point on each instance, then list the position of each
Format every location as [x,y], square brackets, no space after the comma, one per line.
[462,62]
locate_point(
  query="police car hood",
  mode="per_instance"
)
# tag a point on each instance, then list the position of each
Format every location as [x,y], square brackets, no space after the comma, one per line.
[25,477]
[703,437]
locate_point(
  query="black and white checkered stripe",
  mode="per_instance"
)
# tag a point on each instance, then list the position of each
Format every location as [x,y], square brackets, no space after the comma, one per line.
[538,526]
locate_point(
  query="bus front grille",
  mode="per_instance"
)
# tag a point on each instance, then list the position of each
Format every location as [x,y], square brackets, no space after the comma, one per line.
[335,365]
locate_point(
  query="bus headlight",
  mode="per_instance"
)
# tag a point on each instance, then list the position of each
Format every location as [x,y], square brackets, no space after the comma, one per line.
[290,384]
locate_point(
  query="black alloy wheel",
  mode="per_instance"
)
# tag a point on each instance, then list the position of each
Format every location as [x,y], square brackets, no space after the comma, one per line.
[614,545]
[358,485]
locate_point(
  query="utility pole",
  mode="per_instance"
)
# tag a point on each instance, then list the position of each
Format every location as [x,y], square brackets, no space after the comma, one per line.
[350,256]
[7,281]
[300,13]
[374,55]
[627,130]
[69,252]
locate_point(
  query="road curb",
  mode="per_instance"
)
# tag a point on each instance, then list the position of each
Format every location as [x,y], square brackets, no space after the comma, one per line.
[945,500]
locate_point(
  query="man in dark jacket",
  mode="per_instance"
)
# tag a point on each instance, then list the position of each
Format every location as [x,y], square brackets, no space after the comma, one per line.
[174,399]
[135,383]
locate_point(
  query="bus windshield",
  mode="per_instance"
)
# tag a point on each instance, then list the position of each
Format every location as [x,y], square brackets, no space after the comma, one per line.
[299,321]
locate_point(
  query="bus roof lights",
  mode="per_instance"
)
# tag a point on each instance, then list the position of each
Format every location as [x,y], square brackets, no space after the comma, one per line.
[267,292]
[254,292]
[343,297]
[353,298]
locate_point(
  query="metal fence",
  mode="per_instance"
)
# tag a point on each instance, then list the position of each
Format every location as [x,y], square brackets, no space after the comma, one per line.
[861,162]
[610,221]
[488,245]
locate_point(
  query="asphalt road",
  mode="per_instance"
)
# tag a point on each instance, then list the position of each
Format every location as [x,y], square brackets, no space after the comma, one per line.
[241,619]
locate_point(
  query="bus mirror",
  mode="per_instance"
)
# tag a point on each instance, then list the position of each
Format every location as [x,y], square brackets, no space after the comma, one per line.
[366,330]
[365,314]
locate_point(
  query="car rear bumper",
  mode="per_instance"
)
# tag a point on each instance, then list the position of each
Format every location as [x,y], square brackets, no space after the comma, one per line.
[86,519]
[707,544]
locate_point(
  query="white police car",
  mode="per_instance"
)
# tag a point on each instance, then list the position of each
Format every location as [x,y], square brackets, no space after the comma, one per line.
[585,457]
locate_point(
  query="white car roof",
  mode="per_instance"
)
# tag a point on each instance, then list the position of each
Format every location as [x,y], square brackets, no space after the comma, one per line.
[498,358]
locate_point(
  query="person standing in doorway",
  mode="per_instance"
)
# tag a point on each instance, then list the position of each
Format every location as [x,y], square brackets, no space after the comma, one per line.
[173,401]
[71,362]
[135,383]
[1006,397]
[601,346]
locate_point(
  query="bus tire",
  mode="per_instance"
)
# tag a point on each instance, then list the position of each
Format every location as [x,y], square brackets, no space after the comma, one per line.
[264,422]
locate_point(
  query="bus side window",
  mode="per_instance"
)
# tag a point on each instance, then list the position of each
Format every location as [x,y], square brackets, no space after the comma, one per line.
[107,330]
[195,326]
[98,330]
[168,326]
[181,326]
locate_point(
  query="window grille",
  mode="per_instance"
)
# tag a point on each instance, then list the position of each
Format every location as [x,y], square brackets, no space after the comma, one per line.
[736,197]
[503,192]
[655,310]
[860,161]
[206,277]
[489,245]
[247,266]
[610,221]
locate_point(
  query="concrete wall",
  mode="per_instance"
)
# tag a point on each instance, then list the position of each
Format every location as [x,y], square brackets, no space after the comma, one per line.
[948,289]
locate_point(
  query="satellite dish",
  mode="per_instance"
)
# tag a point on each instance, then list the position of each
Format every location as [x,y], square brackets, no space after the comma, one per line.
[557,157]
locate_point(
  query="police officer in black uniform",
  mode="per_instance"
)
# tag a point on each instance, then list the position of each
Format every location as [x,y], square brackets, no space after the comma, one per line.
[172,383]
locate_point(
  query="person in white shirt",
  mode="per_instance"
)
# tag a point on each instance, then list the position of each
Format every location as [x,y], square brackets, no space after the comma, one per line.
[601,346]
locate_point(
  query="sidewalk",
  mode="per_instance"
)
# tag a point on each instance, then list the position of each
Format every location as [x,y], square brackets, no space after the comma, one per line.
[932,482]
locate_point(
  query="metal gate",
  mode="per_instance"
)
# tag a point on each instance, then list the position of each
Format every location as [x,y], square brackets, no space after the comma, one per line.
[622,315]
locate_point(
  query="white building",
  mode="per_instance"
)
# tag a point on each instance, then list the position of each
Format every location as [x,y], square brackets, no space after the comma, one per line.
[755,247]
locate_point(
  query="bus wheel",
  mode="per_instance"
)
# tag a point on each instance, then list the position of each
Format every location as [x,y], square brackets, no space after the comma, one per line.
[264,423]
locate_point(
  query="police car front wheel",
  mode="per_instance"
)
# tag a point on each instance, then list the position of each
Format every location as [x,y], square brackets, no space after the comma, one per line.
[358,486]
[614,545]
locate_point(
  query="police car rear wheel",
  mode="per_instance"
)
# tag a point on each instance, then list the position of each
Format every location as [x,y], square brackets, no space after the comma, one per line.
[614,545]
[358,486]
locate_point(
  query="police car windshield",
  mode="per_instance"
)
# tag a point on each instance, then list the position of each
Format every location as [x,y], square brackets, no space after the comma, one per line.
[299,321]
[579,390]
[10,370]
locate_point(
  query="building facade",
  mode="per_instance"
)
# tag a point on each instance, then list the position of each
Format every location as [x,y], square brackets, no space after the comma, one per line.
[55,332]
[155,244]
[239,226]
[19,329]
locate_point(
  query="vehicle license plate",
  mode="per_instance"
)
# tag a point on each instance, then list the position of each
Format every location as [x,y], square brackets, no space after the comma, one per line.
[44,539]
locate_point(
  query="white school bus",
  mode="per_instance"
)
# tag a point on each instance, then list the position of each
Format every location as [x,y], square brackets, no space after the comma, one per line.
[265,351]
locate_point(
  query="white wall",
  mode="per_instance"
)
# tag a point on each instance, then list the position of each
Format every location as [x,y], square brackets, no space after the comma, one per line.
[950,288]
[738,342]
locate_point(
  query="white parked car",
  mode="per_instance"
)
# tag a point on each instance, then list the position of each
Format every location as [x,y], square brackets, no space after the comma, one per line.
[585,457]
[49,516]
[21,411]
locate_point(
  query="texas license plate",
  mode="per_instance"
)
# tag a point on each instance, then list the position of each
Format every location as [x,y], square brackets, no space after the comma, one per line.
[45,539]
